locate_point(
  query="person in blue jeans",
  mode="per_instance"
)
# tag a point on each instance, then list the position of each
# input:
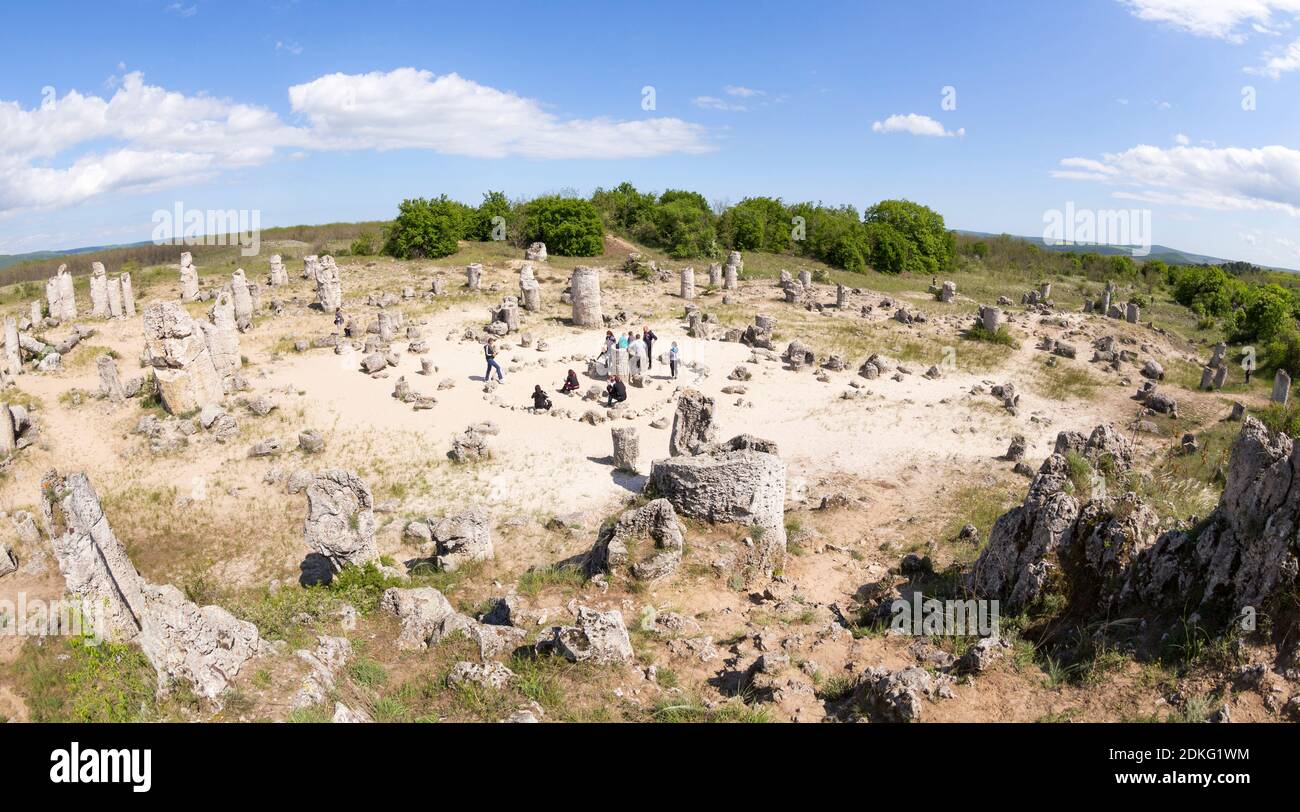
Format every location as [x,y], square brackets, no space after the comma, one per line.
[490,352]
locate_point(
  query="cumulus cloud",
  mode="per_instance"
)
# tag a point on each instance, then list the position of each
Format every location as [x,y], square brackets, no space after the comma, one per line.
[79,147]
[1220,19]
[742,91]
[714,103]
[1278,61]
[1224,179]
[413,109]
[915,124]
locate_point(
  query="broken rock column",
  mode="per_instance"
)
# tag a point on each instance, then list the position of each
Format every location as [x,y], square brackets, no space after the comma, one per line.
[242,300]
[114,291]
[128,295]
[1281,387]
[991,319]
[182,365]
[692,423]
[110,385]
[841,296]
[688,283]
[627,448]
[340,519]
[584,288]
[189,279]
[1133,313]
[13,357]
[222,336]
[279,275]
[8,435]
[98,291]
[715,274]
[329,290]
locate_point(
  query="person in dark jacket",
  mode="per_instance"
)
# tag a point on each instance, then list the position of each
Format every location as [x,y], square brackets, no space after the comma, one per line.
[648,336]
[490,352]
[338,317]
[540,401]
[570,383]
[616,391]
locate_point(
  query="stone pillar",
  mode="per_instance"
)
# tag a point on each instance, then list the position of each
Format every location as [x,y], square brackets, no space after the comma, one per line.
[1220,376]
[626,448]
[182,364]
[36,312]
[584,289]
[474,276]
[1207,378]
[1132,314]
[688,283]
[732,270]
[991,318]
[114,293]
[715,274]
[841,296]
[948,292]
[110,385]
[535,252]
[279,276]
[805,278]
[128,295]
[222,334]
[13,357]
[622,363]
[243,300]
[436,286]
[532,293]
[67,294]
[1220,350]
[1281,387]
[98,291]
[1105,302]
[329,290]
[386,331]
[189,279]
[1044,291]
[310,266]
[8,439]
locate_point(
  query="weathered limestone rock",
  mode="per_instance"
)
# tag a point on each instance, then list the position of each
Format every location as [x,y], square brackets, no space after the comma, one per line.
[470,446]
[1281,387]
[13,352]
[310,266]
[340,519]
[461,539]
[597,637]
[900,696]
[692,423]
[535,252]
[799,355]
[128,295]
[189,279]
[204,645]
[329,289]
[744,486]
[35,314]
[494,676]
[222,335]
[242,299]
[615,546]
[584,288]
[8,432]
[98,291]
[991,319]
[715,275]
[186,376]
[474,275]
[422,612]
[61,294]
[1132,313]
[279,274]
[110,385]
[114,293]
[688,283]
[626,448]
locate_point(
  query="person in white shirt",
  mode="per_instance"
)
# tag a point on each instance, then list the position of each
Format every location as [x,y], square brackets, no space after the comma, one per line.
[637,350]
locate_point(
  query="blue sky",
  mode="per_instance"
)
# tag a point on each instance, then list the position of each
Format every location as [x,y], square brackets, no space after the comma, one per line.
[1103,104]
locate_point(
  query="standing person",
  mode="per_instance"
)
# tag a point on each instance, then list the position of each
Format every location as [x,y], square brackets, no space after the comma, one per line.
[648,336]
[623,341]
[674,355]
[490,352]
[610,343]
[338,317]
[637,350]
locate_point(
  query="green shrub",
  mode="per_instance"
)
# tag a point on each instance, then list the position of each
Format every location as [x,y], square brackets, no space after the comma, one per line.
[570,227]
[426,229]
[930,245]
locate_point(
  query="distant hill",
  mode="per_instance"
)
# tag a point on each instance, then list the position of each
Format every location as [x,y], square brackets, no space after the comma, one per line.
[13,259]
[1173,256]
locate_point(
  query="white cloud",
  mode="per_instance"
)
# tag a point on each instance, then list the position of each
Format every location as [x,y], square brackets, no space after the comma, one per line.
[1182,140]
[1220,19]
[288,46]
[714,103]
[1278,61]
[183,10]
[1223,179]
[413,109]
[742,91]
[914,124]
[145,137]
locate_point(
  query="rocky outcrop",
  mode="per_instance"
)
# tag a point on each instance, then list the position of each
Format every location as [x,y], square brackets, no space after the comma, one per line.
[183,368]
[340,519]
[596,637]
[203,645]
[692,423]
[616,549]
[461,539]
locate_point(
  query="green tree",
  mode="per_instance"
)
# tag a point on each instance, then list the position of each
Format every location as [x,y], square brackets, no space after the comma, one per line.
[495,204]
[931,245]
[570,227]
[426,229]
[756,224]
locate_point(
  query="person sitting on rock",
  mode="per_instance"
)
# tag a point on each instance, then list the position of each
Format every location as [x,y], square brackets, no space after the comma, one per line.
[570,383]
[540,401]
[616,391]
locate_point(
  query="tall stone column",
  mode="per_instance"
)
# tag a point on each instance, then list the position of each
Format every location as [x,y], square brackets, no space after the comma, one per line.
[584,289]
[128,295]
[688,283]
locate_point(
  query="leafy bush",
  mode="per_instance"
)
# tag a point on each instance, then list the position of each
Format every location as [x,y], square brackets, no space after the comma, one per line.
[623,208]
[570,227]
[495,204]
[756,224]
[363,246]
[681,229]
[427,229]
[930,246]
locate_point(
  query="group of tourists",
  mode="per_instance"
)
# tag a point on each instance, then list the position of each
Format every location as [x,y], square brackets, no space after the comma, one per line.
[640,348]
